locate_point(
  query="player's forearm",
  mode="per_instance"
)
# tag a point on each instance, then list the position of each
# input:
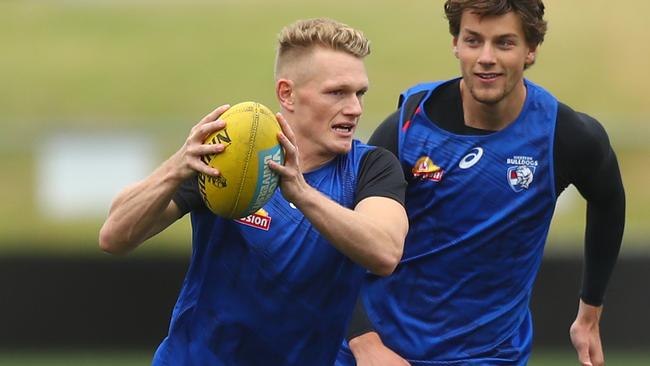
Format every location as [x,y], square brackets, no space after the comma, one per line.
[376,247]
[602,245]
[137,213]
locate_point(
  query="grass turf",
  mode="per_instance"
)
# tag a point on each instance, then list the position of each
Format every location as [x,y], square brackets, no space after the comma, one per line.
[134,358]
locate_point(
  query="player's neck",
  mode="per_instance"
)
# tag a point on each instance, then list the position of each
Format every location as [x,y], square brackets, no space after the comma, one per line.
[496,116]
[311,159]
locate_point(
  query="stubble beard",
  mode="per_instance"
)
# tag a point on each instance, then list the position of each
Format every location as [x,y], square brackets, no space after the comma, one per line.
[488,96]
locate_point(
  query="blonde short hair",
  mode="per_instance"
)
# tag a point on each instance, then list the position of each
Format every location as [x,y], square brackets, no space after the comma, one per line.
[302,36]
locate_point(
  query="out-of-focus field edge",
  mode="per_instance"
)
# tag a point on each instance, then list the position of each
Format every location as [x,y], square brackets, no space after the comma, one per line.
[157,67]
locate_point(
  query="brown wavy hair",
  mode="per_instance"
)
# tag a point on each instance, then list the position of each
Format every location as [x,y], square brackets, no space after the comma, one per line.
[531,13]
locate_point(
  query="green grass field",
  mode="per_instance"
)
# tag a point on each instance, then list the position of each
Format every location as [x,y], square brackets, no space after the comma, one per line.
[156,67]
[130,358]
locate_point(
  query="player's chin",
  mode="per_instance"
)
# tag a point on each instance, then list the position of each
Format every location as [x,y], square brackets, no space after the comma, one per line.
[488,96]
[342,147]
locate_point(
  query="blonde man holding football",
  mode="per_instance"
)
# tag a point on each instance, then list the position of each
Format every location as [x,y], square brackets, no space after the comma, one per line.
[280,294]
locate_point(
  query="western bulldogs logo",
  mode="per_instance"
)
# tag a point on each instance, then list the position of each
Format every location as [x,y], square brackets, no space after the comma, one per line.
[521,172]
[520,177]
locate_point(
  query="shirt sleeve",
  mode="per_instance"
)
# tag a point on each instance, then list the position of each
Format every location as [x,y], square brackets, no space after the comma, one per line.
[586,159]
[187,196]
[380,175]
[360,323]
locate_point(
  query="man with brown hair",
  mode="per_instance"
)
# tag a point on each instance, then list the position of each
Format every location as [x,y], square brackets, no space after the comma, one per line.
[280,294]
[487,156]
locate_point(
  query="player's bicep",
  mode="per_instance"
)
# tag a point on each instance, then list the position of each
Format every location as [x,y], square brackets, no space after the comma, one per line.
[604,183]
[380,194]
[598,176]
[386,212]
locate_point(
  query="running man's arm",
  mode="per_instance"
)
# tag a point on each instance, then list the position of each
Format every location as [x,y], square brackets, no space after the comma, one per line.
[591,165]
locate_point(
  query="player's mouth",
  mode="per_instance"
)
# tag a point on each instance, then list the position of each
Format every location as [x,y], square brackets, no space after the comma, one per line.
[487,76]
[344,129]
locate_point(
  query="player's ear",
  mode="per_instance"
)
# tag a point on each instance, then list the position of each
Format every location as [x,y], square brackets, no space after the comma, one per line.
[455,44]
[530,56]
[284,92]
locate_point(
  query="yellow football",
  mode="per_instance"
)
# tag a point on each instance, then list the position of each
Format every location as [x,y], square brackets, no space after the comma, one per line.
[246,182]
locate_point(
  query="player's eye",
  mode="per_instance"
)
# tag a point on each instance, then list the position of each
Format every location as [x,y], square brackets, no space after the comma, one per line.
[336,92]
[472,41]
[506,43]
